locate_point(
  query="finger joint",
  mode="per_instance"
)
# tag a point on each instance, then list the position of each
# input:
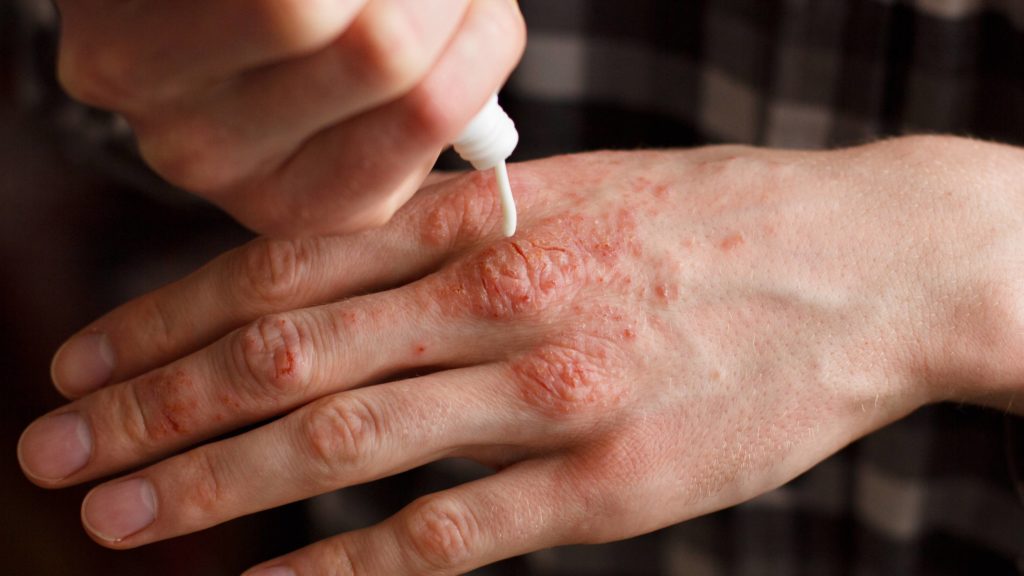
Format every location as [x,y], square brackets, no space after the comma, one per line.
[203,486]
[517,277]
[569,380]
[165,406]
[302,26]
[442,533]
[385,50]
[340,433]
[274,272]
[100,74]
[273,357]
[462,216]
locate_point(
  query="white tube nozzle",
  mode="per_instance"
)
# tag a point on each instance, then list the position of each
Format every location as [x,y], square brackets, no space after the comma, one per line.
[486,143]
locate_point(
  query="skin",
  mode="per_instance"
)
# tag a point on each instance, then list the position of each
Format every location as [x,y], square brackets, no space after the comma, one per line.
[296,116]
[669,334]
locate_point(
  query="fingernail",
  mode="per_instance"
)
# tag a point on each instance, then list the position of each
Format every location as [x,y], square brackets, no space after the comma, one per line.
[275,571]
[55,447]
[83,364]
[116,511]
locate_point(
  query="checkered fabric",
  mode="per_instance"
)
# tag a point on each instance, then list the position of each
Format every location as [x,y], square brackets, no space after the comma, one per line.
[784,73]
[939,492]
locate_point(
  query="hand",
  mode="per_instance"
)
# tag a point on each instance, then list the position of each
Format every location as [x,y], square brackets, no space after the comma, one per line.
[670,334]
[297,117]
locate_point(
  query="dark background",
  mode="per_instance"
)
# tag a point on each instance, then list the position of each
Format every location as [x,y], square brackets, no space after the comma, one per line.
[72,245]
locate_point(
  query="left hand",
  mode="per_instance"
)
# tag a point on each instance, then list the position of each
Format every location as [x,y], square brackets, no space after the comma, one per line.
[670,333]
[298,118]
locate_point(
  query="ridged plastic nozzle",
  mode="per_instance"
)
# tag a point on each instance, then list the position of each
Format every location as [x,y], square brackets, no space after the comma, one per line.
[486,143]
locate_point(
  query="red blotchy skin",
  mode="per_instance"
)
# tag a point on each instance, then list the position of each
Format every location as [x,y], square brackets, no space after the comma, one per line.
[576,266]
[659,190]
[558,379]
[731,242]
[173,394]
[284,363]
[545,266]
[664,292]
[582,367]
[271,350]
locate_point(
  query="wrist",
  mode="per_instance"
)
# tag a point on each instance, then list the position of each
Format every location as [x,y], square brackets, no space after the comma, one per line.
[979,357]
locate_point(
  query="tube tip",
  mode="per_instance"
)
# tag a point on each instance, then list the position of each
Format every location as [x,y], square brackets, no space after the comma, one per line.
[508,202]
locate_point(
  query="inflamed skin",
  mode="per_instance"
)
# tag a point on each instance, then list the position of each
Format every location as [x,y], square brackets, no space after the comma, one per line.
[669,333]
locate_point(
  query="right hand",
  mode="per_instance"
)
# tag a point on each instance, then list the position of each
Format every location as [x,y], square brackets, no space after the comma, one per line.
[296,116]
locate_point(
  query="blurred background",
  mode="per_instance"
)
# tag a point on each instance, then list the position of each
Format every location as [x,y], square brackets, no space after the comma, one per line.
[81,232]
[72,245]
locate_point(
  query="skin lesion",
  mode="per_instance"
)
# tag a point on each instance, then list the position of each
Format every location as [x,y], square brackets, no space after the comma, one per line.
[563,381]
[516,277]
[584,368]
[272,355]
[169,404]
[546,266]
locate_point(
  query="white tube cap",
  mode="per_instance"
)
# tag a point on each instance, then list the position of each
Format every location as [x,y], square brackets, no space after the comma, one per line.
[489,139]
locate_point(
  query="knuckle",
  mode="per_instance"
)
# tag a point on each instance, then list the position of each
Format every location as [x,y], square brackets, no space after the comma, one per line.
[99,75]
[163,406]
[442,533]
[386,53]
[373,216]
[430,115]
[338,557]
[191,152]
[158,324]
[340,434]
[273,271]
[600,484]
[506,22]
[519,277]
[298,26]
[462,216]
[202,485]
[272,355]
[565,381]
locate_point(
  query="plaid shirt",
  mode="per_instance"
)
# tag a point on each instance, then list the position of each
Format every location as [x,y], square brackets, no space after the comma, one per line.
[939,492]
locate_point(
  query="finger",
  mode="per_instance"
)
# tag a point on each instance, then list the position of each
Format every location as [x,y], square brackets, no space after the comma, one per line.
[272,365]
[524,508]
[251,125]
[439,176]
[262,277]
[132,53]
[360,172]
[268,276]
[341,440]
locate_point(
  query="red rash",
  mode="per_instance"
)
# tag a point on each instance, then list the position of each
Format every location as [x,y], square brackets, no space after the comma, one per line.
[284,363]
[173,406]
[581,266]
[546,265]
[659,190]
[568,380]
[731,242]
[272,355]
